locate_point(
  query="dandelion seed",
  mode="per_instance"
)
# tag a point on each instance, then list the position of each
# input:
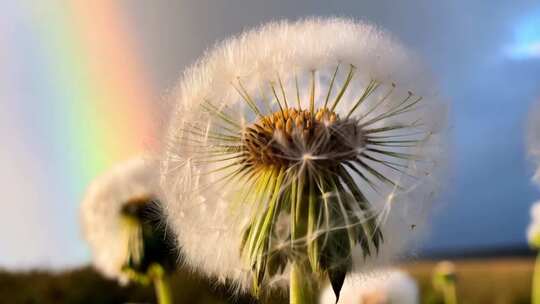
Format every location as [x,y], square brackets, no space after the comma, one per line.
[340,150]
[384,287]
[122,225]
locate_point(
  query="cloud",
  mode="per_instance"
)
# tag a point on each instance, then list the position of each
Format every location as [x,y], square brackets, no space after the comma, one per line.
[526,38]
[525,51]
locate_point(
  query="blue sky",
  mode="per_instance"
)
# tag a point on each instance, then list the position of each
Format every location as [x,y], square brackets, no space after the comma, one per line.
[486,55]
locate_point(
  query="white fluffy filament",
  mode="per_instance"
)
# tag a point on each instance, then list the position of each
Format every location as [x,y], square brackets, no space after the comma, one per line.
[331,111]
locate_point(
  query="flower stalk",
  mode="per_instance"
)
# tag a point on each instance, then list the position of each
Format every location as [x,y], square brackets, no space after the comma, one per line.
[303,287]
[161,284]
[449,294]
[535,296]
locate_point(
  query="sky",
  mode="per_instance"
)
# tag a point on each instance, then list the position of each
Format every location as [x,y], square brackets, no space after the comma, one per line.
[82,87]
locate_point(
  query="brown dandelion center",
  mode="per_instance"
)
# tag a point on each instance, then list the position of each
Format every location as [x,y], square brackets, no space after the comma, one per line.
[291,136]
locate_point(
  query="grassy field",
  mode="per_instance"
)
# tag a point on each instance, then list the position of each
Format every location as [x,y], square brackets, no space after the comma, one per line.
[490,281]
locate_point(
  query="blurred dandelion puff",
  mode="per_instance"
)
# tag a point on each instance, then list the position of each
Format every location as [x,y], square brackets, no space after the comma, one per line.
[444,281]
[533,231]
[296,149]
[122,225]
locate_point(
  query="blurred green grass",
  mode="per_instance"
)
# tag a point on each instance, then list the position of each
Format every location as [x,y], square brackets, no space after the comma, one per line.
[479,281]
[489,281]
[85,285]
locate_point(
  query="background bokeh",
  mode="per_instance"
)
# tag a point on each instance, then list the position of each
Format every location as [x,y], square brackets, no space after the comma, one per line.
[83,84]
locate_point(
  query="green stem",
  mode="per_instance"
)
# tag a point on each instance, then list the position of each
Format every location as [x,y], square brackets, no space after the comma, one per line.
[449,292]
[161,285]
[302,286]
[536,281]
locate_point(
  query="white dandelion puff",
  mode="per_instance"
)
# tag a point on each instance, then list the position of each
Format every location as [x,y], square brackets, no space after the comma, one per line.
[120,222]
[384,287]
[312,143]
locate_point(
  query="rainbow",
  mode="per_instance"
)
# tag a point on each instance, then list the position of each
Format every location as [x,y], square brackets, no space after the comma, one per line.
[92,105]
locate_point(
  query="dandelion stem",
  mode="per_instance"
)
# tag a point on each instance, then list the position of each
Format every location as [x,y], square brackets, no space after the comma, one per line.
[450,296]
[535,298]
[161,284]
[302,286]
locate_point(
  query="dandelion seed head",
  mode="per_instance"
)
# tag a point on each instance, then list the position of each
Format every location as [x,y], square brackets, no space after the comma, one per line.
[328,112]
[111,205]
